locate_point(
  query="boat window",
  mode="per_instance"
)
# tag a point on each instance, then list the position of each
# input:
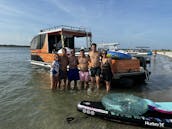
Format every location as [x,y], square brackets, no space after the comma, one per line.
[81,42]
[38,42]
[54,42]
[69,42]
[42,39]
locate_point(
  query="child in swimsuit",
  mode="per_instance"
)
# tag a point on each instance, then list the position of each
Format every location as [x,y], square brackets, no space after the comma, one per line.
[54,72]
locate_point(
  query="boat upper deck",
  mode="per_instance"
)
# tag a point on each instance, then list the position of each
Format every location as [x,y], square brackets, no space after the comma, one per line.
[76,31]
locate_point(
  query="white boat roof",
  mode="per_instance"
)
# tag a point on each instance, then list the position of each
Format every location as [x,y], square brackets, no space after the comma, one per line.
[64,28]
[142,47]
[108,44]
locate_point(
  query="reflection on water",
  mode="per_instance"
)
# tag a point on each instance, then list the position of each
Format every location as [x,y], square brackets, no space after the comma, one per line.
[27,103]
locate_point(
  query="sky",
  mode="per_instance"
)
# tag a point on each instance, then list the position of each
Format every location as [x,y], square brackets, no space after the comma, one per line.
[131,23]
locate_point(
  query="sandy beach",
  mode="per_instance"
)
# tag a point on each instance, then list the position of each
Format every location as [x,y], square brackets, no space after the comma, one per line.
[169,54]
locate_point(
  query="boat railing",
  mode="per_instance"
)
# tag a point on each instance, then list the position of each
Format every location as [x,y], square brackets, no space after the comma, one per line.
[64,27]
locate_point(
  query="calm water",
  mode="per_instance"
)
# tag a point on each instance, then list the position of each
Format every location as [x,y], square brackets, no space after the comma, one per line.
[27,103]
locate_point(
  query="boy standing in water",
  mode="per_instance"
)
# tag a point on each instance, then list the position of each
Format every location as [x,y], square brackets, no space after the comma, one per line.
[64,61]
[54,72]
[73,73]
[95,65]
[83,66]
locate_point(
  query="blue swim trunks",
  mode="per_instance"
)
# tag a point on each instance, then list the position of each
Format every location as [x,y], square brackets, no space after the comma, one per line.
[73,74]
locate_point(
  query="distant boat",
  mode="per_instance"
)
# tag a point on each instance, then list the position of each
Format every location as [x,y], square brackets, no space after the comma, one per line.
[113,52]
[143,51]
[118,54]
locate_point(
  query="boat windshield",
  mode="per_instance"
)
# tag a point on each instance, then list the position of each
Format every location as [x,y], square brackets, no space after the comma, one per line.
[124,104]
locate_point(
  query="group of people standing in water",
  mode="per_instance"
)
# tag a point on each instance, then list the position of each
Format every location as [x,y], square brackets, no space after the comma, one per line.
[81,68]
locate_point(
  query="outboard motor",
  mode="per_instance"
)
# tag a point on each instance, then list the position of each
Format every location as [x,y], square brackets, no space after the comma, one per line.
[142,61]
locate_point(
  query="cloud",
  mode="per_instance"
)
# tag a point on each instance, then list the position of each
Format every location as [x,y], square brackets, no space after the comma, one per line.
[9,10]
[79,9]
[62,6]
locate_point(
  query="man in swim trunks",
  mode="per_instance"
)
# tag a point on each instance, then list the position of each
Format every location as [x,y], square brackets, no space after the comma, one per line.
[64,61]
[73,73]
[95,65]
[83,66]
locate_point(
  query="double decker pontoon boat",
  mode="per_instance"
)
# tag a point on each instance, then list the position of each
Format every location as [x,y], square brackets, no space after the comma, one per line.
[52,40]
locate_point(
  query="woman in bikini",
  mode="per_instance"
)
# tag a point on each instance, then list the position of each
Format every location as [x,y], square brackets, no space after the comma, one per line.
[106,70]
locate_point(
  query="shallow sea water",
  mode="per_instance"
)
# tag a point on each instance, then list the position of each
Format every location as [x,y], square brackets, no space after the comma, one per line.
[26,102]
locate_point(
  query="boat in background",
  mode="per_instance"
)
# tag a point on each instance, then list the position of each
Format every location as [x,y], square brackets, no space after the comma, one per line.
[143,51]
[113,51]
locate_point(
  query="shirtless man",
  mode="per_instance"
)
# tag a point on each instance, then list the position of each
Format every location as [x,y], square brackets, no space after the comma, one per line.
[83,66]
[73,73]
[64,61]
[95,65]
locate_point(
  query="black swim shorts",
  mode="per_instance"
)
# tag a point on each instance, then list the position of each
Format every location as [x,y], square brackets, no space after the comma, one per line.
[95,71]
